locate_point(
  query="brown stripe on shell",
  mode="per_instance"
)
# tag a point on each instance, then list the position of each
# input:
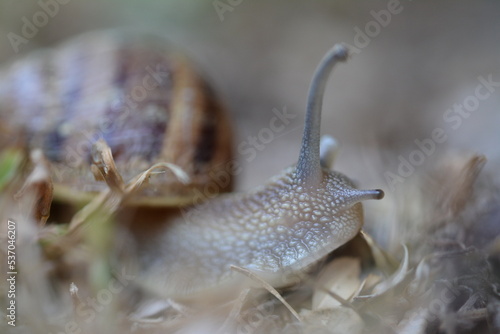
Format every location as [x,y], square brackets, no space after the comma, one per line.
[223,138]
[207,140]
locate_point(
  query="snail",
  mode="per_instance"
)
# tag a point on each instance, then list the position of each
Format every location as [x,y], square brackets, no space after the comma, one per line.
[143,98]
[275,231]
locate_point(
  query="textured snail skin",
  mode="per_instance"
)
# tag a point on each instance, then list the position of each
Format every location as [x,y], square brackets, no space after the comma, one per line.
[276,231]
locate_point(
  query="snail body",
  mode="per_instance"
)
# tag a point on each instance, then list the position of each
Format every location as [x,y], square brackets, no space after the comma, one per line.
[276,231]
[144,99]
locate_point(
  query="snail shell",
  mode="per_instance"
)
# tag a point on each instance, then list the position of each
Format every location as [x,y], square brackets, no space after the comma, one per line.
[134,91]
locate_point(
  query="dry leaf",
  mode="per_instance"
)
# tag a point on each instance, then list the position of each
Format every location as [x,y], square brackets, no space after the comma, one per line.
[341,277]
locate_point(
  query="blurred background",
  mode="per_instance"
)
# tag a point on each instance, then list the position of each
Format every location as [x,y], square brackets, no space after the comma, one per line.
[413,61]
